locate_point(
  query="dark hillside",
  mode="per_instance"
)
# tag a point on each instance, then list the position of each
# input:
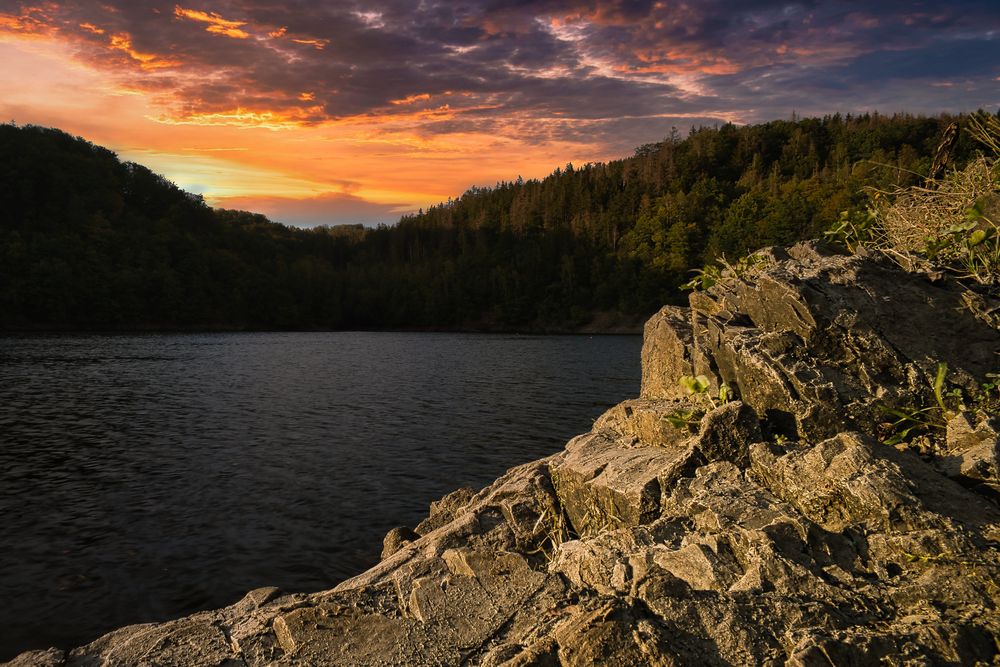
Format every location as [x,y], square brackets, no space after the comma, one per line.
[87,241]
[90,242]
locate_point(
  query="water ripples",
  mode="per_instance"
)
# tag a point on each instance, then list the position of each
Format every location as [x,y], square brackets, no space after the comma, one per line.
[144,477]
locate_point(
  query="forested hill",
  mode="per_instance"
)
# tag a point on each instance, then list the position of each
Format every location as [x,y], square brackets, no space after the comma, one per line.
[90,242]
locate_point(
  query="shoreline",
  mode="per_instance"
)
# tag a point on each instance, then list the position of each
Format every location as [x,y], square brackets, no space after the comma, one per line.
[624,330]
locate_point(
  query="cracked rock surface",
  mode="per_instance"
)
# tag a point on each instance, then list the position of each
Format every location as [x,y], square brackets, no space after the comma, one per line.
[777,531]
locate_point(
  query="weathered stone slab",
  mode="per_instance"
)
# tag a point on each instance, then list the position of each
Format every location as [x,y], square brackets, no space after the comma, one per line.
[613,635]
[973,451]
[644,422]
[52,657]
[838,483]
[602,485]
[666,353]
[331,636]
[187,641]
[446,510]
[726,433]
[396,539]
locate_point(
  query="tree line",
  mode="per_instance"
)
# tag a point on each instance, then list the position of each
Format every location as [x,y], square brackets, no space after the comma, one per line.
[90,242]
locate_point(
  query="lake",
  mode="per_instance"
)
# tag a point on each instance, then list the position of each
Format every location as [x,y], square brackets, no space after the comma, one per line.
[144,477]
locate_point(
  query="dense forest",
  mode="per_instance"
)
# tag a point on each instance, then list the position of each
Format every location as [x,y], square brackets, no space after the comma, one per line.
[90,242]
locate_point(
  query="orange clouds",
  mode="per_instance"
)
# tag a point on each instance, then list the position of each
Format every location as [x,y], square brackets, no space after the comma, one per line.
[31,22]
[216,24]
[410,99]
[319,44]
[337,112]
[147,61]
[666,60]
[239,117]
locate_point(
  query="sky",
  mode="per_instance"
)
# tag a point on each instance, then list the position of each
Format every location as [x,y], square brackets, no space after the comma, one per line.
[330,112]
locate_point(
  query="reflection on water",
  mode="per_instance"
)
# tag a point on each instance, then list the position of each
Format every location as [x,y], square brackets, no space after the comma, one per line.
[144,477]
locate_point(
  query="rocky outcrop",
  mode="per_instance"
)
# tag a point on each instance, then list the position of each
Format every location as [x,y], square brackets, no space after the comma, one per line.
[776,529]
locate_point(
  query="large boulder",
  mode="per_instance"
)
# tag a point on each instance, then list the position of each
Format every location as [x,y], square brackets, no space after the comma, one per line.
[816,341]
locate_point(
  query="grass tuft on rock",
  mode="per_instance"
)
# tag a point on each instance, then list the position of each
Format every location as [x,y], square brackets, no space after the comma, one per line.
[948,225]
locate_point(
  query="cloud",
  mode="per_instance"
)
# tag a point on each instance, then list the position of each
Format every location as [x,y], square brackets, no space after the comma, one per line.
[498,64]
[146,61]
[216,24]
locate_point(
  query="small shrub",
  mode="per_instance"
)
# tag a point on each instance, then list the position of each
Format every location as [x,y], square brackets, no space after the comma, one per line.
[699,388]
[725,272]
[945,225]
[923,427]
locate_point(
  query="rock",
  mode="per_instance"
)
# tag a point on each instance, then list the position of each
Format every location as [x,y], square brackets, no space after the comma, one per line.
[980,461]
[330,635]
[727,432]
[53,657]
[543,653]
[816,343]
[600,565]
[195,640]
[513,514]
[973,451]
[666,353]
[396,539]
[613,634]
[699,566]
[602,485]
[445,510]
[480,593]
[780,531]
[837,484]
[643,422]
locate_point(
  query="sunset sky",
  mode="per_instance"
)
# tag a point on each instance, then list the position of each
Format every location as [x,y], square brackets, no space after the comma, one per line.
[338,111]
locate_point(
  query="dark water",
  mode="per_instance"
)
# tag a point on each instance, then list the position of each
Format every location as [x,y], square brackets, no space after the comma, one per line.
[145,477]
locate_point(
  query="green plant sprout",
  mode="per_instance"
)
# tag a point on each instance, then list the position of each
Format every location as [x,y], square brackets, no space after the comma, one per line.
[696,385]
[699,388]
[911,422]
[853,229]
[723,271]
[972,246]
[942,371]
[704,278]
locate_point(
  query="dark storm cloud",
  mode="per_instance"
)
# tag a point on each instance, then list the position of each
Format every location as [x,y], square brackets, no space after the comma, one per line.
[978,58]
[540,69]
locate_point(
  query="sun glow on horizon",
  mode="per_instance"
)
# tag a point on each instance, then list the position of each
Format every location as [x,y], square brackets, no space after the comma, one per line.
[254,158]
